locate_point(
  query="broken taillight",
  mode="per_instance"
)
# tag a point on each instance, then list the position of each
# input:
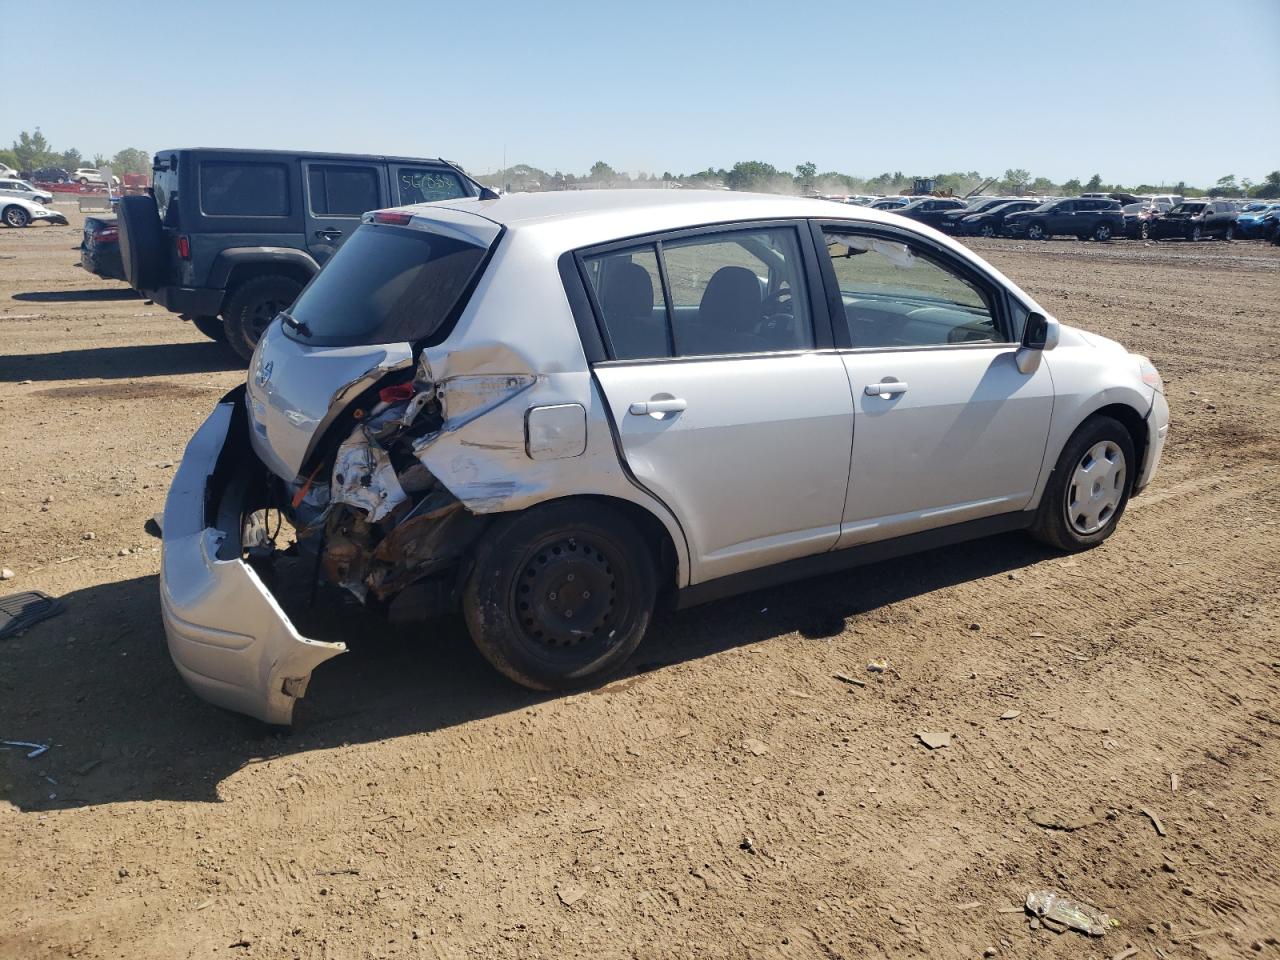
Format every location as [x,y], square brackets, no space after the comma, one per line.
[396,392]
[106,234]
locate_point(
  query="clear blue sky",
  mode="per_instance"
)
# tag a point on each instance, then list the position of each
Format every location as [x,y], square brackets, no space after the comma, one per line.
[1154,90]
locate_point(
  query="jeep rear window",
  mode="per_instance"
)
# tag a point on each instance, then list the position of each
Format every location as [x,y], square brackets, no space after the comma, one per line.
[229,189]
[386,284]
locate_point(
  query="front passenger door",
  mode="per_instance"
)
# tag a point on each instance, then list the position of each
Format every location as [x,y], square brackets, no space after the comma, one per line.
[725,409]
[946,427]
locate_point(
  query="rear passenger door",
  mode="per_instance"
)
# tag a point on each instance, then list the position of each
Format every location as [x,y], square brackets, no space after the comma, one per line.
[727,407]
[337,194]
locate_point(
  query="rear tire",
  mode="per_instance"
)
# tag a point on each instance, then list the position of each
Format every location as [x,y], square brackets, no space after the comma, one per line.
[1102,232]
[560,595]
[1230,233]
[1089,488]
[252,307]
[988,230]
[16,216]
[1036,231]
[1144,231]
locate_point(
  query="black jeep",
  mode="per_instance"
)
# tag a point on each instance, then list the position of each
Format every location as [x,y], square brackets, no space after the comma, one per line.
[228,238]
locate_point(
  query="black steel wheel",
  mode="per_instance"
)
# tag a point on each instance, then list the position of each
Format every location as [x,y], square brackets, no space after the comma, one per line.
[250,310]
[560,595]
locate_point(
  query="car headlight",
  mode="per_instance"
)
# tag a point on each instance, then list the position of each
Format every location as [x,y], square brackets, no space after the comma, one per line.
[1150,375]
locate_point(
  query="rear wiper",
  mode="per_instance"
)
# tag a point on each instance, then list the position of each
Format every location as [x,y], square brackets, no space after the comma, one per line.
[298,325]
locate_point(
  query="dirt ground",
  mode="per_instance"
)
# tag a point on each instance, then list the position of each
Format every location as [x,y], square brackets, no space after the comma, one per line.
[731,796]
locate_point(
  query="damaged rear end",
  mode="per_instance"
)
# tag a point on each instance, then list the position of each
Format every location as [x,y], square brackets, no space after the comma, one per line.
[331,432]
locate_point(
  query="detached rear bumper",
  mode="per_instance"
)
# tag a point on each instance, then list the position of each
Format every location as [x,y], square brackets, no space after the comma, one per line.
[229,638]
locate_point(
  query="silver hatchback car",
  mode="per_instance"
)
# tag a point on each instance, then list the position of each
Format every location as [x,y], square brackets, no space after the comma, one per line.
[559,410]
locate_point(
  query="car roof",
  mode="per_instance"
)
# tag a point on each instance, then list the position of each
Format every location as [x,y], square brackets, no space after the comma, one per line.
[583,217]
[303,154]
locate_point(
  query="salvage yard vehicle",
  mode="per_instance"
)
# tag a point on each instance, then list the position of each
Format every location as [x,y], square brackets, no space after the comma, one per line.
[950,221]
[1197,220]
[12,187]
[931,210]
[230,237]
[990,222]
[18,212]
[1086,218]
[100,247]
[559,410]
[1257,221]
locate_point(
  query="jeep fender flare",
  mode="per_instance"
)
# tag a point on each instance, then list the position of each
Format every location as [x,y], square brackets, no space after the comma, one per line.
[292,260]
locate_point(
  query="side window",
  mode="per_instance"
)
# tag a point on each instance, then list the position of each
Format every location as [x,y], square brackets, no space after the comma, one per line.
[229,189]
[418,185]
[628,291]
[895,297]
[342,191]
[739,292]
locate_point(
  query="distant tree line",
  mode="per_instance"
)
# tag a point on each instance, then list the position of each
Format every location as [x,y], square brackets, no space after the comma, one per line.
[31,151]
[806,179]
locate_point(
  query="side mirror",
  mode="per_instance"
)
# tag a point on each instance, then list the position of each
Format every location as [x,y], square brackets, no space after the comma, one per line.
[1039,334]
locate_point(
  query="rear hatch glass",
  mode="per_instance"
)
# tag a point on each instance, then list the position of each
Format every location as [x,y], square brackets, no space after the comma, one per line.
[387,284]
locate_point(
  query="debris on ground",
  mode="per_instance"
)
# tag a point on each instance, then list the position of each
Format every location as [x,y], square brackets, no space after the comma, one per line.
[1173,783]
[570,895]
[1011,715]
[36,748]
[935,740]
[1055,820]
[877,666]
[21,610]
[845,678]
[6,574]
[757,748]
[1051,906]
[155,526]
[1155,821]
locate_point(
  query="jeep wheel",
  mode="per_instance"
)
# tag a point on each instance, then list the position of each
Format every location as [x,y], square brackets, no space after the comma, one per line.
[252,307]
[1102,232]
[1089,487]
[560,595]
[1037,232]
[211,327]
[16,216]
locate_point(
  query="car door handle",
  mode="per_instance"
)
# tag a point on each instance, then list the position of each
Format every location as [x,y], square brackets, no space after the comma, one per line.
[328,234]
[887,388]
[642,407]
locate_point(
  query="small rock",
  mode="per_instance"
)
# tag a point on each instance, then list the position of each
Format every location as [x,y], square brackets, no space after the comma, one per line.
[570,895]
[748,845]
[935,740]
[877,666]
[6,574]
[123,872]
[975,626]
[1034,924]
[88,535]
[989,952]
[756,748]
[1011,715]
[123,552]
[48,499]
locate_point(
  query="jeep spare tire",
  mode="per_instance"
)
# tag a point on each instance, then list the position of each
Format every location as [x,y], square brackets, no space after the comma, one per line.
[142,252]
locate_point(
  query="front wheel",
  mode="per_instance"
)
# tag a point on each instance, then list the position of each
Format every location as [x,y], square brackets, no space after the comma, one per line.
[1102,232]
[1195,233]
[988,230]
[1144,231]
[253,306]
[16,217]
[1089,488]
[1230,233]
[560,595]
[1036,232]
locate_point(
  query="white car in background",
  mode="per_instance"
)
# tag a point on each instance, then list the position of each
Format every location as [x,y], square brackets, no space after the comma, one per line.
[13,187]
[87,175]
[19,212]
[557,410]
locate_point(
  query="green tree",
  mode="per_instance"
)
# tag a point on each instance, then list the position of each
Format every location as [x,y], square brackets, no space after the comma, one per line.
[601,171]
[1094,184]
[750,174]
[1042,186]
[1016,181]
[9,158]
[70,159]
[805,174]
[1072,187]
[32,150]
[1269,188]
[1225,187]
[99,160]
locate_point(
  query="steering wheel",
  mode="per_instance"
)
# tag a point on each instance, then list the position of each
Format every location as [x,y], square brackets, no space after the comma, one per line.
[777,304]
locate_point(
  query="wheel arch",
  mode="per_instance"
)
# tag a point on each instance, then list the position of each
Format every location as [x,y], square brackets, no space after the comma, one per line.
[1133,421]
[234,267]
